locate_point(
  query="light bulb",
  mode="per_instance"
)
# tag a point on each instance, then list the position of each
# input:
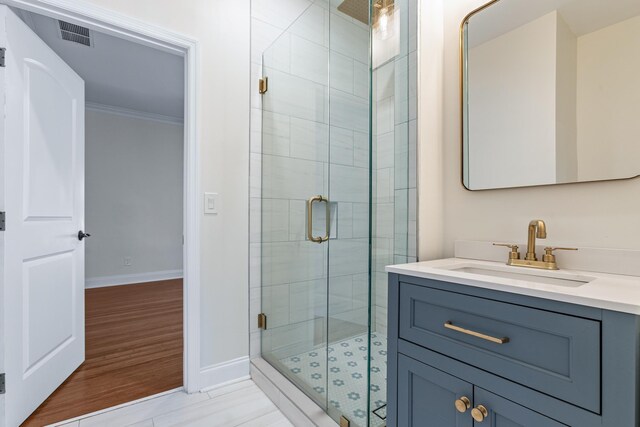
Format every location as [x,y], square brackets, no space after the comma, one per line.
[383,23]
[384,19]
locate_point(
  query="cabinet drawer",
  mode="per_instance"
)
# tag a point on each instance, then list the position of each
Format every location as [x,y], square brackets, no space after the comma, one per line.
[556,354]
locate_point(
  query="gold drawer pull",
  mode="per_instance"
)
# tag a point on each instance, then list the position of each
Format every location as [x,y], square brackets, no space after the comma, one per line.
[453,327]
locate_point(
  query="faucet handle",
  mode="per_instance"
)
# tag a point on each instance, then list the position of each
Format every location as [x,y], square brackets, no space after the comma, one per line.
[550,257]
[514,254]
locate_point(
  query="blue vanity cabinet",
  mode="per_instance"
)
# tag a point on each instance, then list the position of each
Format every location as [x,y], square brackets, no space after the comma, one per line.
[530,362]
[427,397]
[504,413]
[554,353]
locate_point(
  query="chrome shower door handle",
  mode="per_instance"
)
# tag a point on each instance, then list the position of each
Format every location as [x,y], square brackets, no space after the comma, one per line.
[310,202]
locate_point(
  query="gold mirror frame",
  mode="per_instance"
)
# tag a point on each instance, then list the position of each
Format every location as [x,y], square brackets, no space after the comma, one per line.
[462,60]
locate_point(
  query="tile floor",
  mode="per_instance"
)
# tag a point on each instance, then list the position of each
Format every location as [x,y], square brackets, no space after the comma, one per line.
[244,404]
[346,370]
[241,404]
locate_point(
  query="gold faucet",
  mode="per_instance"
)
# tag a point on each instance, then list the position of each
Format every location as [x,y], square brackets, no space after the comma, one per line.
[537,228]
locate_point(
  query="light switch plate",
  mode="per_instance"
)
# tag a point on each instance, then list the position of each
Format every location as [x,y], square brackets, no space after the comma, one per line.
[211,203]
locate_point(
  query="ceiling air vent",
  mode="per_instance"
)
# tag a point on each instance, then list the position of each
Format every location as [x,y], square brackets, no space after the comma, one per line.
[75,33]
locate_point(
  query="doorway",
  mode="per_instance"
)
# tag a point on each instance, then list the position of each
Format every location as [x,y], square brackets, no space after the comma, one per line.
[133,351]
[162,292]
[134,143]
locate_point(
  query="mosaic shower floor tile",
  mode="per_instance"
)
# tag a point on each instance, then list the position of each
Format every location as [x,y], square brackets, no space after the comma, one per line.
[342,369]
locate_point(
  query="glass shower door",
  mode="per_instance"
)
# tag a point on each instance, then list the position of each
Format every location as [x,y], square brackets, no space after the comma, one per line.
[329,73]
[350,191]
[316,202]
[295,210]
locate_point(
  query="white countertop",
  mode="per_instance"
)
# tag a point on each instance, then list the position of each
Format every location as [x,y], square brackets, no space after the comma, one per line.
[605,291]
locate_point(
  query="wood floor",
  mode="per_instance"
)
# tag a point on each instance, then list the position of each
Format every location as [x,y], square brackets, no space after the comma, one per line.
[133,350]
[241,404]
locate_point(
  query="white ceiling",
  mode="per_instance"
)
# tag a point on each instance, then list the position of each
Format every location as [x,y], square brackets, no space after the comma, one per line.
[117,72]
[582,16]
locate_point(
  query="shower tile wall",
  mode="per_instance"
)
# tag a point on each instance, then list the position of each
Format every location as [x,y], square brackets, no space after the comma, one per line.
[293,138]
[394,163]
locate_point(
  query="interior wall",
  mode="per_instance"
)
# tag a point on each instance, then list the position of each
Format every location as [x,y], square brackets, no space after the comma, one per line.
[223,30]
[566,103]
[515,101]
[532,100]
[591,214]
[134,198]
[608,59]
[430,131]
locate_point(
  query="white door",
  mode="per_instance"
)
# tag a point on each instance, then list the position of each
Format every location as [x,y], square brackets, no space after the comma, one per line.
[44,202]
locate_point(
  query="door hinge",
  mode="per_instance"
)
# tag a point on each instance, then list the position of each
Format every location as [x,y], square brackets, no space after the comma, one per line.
[2,386]
[2,53]
[263,85]
[2,220]
[262,321]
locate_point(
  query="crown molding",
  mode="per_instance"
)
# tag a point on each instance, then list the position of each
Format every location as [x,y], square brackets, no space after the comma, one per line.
[136,114]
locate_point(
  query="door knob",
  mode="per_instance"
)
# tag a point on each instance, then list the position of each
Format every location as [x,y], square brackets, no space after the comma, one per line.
[463,404]
[479,413]
[82,235]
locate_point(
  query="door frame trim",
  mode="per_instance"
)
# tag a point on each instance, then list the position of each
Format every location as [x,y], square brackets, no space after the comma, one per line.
[119,25]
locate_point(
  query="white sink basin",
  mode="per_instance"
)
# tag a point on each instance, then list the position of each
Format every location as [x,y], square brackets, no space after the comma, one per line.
[546,277]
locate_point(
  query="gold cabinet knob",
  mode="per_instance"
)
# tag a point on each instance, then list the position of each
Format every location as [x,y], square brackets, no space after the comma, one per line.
[479,413]
[463,404]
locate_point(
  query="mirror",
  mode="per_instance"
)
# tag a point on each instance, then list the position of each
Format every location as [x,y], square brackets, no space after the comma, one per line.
[550,92]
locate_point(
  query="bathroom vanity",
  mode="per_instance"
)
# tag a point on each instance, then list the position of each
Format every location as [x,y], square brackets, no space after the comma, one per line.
[480,343]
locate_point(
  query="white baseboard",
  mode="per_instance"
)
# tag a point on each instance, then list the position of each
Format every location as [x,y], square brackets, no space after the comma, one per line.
[225,384]
[220,374]
[128,279]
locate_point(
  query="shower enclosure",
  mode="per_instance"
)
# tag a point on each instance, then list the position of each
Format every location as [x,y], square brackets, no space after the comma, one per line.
[338,197]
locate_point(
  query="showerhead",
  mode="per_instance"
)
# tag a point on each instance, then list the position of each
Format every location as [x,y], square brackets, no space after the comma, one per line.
[357,9]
